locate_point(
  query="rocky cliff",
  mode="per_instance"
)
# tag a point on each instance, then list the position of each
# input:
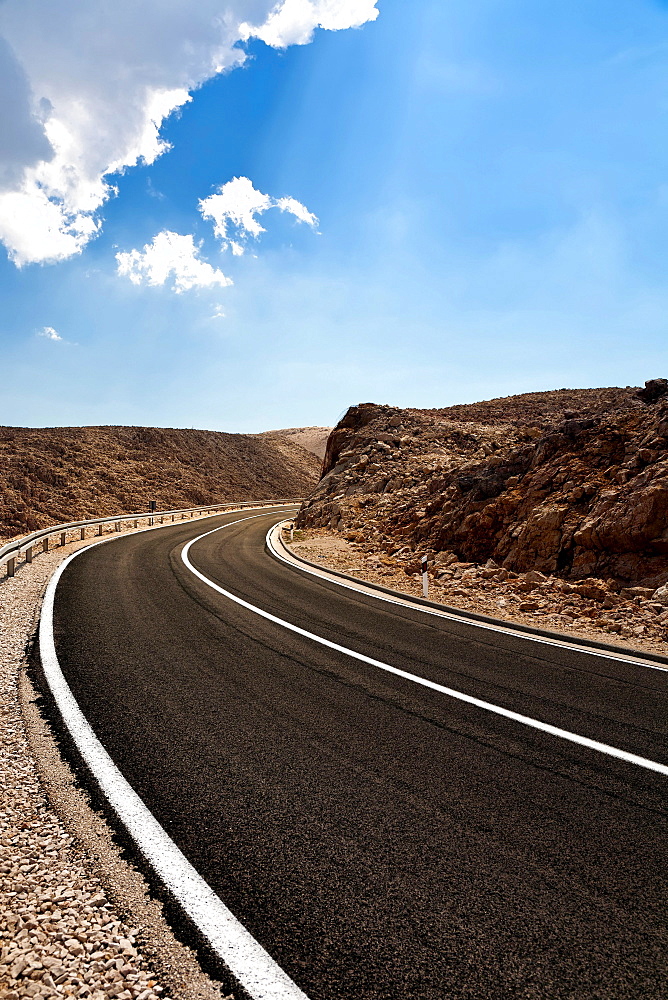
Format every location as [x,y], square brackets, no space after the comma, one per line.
[572,483]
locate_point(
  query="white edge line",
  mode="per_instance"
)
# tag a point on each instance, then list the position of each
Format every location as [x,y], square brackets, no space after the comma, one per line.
[524,720]
[253,967]
[405,602]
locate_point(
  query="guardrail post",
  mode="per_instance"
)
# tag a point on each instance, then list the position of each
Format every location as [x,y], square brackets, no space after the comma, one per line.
[62,537]
[83,534]
[11,563]
[45,544]
[29,554]
[425,577]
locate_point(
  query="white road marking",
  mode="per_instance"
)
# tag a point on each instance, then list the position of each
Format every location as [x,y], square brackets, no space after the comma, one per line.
[254,968]
[524,720]
[405,601]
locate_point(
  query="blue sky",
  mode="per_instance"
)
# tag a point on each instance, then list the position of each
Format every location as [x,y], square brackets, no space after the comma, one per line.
[491,187]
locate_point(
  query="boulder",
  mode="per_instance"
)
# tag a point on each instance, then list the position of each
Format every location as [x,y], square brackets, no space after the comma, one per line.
[654,389]
[629,593]
[445,558]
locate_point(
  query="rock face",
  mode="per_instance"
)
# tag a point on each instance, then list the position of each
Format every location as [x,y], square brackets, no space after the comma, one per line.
[572,483]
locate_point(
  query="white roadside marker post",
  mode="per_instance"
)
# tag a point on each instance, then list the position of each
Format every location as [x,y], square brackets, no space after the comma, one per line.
[292,532]
[425,577]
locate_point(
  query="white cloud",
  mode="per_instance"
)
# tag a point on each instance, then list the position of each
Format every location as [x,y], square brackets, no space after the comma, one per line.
[49,333]
[300,212]
[237,205]
[170,255]
[293,22]
[86,87]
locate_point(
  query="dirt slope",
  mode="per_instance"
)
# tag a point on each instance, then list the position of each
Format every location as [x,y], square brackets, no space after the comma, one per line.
[51,475]
[313,439]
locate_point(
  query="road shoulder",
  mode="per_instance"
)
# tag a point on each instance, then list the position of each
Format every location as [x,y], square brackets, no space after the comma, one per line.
[76,918]
[541,609]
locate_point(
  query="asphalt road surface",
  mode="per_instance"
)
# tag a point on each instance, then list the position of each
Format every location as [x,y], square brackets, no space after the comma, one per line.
[379,839]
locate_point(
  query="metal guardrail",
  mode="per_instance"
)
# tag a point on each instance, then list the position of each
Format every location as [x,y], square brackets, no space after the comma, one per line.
[24,546]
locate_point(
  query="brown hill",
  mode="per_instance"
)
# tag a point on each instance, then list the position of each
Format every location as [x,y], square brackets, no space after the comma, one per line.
[52,475]
[572,482]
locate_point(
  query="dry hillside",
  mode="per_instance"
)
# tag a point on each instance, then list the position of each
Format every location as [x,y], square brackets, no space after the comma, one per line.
[52,475]
[571,482]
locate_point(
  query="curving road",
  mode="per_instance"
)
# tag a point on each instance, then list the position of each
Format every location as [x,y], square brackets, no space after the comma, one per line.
[381,840]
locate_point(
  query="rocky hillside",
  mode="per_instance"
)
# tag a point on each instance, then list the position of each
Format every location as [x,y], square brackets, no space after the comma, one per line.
[572,483]
[61,474]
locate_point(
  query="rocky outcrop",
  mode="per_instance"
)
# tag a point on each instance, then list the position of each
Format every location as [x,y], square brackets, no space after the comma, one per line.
[654,389]
[572,483]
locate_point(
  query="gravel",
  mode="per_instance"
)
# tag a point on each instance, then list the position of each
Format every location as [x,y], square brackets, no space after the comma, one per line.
[68,912]
[633,625]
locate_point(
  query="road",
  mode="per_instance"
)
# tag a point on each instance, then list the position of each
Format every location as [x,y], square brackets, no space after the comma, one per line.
[381,840]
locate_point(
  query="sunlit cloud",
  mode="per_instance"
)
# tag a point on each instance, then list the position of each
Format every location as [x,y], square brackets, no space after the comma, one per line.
[173,258]
[235,210]
[49,333]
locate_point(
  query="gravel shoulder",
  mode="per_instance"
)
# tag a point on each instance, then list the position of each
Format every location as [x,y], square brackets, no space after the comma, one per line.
[532,599]
[76,919]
